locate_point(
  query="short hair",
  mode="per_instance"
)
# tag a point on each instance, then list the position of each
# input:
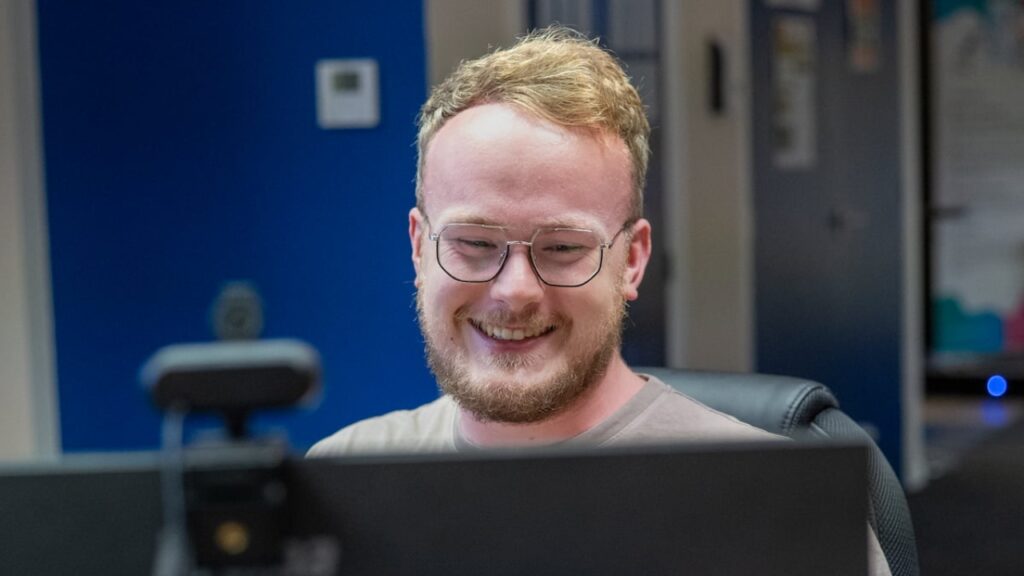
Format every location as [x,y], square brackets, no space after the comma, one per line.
[557,74]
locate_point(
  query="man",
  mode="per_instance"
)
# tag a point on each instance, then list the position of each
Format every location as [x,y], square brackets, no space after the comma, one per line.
[528,240]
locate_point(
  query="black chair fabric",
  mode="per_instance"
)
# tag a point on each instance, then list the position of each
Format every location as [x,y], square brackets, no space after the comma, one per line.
[802,409]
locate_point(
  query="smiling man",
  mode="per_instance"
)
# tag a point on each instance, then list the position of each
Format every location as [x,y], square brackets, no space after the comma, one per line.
[528,239]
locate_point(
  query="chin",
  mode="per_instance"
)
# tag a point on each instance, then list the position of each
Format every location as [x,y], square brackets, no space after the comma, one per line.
[516,395]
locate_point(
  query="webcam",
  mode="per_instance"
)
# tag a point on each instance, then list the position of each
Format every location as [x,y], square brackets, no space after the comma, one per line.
[233,377]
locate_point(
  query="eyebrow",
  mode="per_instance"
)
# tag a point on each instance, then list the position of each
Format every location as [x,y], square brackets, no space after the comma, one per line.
[547,223]
[458,219]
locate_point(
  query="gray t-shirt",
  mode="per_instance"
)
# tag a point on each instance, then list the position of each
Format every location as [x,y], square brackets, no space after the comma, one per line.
[657,413]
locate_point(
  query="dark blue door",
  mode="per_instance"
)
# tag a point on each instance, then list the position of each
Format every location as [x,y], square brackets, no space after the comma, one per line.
[828,225]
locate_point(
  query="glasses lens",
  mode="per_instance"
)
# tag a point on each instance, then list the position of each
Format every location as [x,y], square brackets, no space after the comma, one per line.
[566,257]
[470,252]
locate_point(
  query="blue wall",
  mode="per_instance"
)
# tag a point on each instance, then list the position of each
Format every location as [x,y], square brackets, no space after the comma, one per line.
[182,152]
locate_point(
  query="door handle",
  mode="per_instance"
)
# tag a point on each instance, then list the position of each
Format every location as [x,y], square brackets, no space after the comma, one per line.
[846,219]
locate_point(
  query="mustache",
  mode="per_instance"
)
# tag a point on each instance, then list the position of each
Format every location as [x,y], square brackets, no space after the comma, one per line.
[526,319]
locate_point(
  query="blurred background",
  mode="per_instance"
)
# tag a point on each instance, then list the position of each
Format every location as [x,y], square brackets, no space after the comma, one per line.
[837,193]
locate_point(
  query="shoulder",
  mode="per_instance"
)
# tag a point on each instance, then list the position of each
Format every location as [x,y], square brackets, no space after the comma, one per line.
[671,415]
[427,428]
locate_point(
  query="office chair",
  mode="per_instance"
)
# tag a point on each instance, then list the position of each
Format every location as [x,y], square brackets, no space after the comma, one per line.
[802,409]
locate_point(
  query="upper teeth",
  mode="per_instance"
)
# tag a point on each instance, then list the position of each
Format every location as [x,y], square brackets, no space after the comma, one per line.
[500,333]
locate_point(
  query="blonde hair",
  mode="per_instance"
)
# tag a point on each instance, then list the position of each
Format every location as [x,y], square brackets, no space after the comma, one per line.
[557,74]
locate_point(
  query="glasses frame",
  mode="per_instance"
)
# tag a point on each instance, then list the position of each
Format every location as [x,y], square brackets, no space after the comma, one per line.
[435,237]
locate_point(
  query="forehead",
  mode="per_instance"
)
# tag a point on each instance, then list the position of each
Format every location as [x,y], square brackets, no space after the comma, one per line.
[496,163]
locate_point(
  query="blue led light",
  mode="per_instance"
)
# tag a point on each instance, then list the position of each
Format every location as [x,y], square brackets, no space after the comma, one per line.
[996,386]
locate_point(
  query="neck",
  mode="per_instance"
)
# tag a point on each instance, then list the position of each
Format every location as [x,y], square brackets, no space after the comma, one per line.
[615,387]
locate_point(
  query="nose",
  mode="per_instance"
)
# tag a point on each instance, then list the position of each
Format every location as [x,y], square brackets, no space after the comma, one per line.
[517,285]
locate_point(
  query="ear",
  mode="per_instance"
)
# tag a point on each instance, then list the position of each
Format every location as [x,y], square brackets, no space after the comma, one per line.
[637,256]
[417,228]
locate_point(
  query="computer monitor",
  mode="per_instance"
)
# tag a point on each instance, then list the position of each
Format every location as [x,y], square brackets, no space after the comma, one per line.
[766,508]
[87,515]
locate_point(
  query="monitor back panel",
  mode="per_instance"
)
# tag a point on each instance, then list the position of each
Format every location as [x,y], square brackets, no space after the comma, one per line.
[783,509]
[100,517]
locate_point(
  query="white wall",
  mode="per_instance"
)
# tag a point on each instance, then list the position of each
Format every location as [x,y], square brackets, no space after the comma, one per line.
[707,188]
[28,419]
[460,29]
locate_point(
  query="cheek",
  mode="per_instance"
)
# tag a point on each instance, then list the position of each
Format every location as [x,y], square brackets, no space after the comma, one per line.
[443,297]
[595,303]
[580,305]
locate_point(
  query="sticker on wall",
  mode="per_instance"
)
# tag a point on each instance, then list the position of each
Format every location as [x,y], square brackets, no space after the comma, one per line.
[794,89]
[863,36]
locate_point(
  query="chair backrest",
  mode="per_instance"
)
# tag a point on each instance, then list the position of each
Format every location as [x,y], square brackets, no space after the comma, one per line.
[802,409]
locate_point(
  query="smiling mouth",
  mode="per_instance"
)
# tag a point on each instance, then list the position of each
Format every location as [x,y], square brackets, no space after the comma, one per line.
[511,334]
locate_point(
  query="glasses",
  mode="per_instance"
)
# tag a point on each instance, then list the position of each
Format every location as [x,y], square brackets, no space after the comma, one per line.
[562,257]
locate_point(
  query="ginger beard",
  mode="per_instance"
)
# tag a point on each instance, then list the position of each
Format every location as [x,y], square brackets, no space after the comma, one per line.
[510,391]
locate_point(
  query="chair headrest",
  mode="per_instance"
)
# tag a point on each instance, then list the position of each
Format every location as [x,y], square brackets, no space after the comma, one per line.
[780,404]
